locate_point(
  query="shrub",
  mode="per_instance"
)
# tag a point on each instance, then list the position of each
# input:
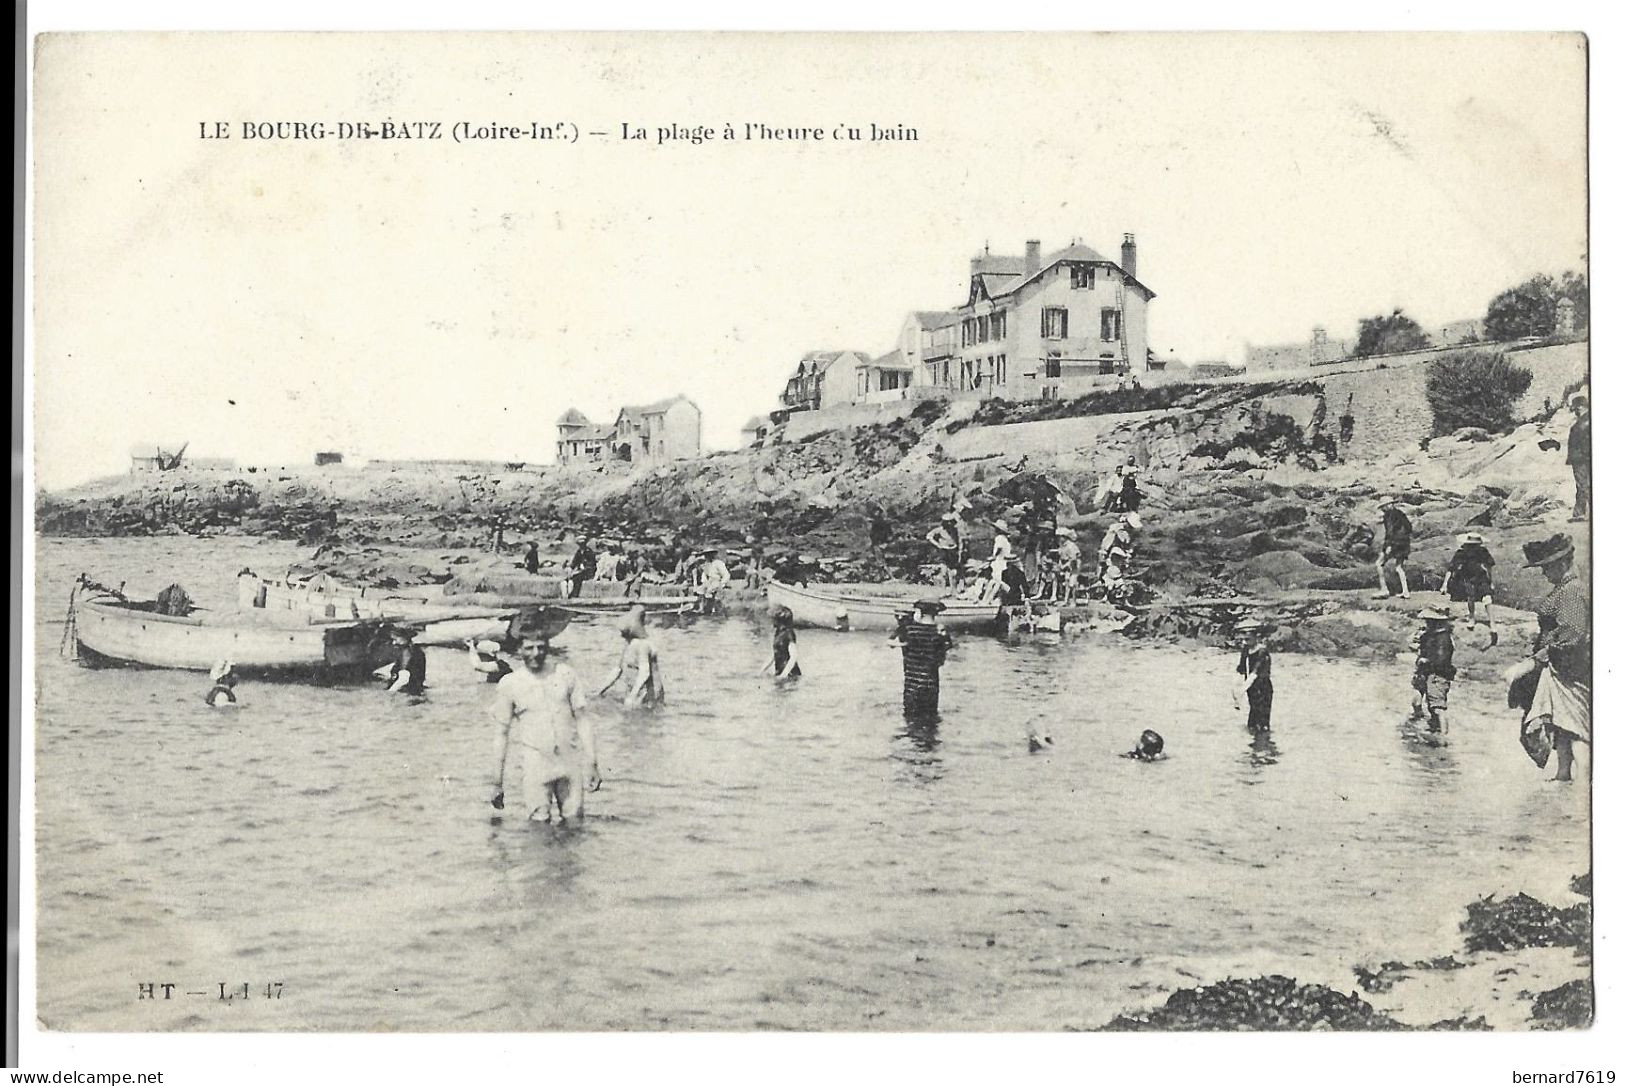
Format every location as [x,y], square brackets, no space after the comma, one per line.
[1475,388]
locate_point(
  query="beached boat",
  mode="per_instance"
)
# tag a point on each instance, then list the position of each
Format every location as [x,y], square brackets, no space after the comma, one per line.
[442,618]
[832,608]
[108,629]
[438,618]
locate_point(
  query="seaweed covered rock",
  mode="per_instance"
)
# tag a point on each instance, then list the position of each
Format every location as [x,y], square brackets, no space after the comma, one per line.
[1521,921]
[1259,1003]
[1569,1006]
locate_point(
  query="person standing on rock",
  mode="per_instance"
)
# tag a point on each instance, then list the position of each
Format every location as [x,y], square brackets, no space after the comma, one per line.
[950,546]
[1435,670]
[1068,566]
[1253,678]
[1467,579]
[925,646]
[533,560]
[880,534]
[1119,536]
[1003,551]
[1579,457]
[1396,549]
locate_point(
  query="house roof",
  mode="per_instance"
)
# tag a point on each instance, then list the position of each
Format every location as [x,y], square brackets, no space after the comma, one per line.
[1003,275]
[891,360]
[573,417]
[935,318]
[593,431]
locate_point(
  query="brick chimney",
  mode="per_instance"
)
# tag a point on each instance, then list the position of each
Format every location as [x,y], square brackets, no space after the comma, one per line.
[1034,261]
[978,263]
[1130,253]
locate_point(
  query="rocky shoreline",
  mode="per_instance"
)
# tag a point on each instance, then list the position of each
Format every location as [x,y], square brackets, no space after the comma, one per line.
[1494,933]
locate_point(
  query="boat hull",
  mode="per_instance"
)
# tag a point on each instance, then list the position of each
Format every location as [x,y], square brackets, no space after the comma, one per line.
[821,608]
[109,633]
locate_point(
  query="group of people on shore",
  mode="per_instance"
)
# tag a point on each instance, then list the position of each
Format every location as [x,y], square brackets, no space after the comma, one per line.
[1050,566]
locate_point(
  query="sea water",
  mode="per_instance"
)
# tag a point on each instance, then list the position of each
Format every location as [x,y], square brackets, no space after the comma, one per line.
[759,857]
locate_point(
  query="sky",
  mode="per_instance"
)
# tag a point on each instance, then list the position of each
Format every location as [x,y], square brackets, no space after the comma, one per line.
[264,299]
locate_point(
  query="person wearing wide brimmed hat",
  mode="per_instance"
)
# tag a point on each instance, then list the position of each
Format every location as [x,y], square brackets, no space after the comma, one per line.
[925,646]
[1467,579]
[1396,548]
[539,708]
[948,539]
[485,656]
[714,577]
[640,661]
[785,663]
[1254,678]
[1579,456]
[1554,687]
[1435,671]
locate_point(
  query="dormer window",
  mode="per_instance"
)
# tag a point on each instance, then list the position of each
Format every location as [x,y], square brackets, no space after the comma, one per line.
[1083,277]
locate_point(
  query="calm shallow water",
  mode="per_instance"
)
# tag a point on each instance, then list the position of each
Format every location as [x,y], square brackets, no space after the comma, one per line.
[758,857]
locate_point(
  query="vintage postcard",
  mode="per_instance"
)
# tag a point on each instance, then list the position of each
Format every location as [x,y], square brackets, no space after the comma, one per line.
[1033,532]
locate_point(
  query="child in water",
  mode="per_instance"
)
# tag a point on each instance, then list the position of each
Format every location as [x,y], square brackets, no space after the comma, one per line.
[1435,668]
[1149,748]
[221,695]
[1253,675]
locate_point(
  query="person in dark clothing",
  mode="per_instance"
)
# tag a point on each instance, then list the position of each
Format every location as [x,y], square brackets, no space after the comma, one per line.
[1467,579]
[1435,669]
[583,564]
[407,673]
[1015,586]
[785,663]
[925,646]
[1253,675]
[1396,549]
[1129,498]
[880,531]
[1579,457]
[790,570]
[533,560]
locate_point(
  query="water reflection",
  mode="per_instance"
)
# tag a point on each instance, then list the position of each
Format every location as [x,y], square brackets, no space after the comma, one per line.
[1261,749]
[918,744]
[1427,752]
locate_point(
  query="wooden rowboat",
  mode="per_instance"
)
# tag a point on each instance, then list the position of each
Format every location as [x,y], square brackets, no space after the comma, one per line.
[438,620]
[111,630]
[830,608]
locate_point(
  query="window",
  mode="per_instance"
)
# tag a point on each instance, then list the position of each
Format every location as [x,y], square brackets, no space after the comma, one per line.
[966,329]
[1111,325]
[1083,277]
[1052,364]
[1108,366]
[998,324]
[981,329]
[1054,322]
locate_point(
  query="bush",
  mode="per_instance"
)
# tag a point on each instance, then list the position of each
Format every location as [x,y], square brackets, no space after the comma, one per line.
[1475,388]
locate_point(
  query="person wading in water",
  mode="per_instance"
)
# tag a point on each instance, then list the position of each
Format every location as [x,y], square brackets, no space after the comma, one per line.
[925,646]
